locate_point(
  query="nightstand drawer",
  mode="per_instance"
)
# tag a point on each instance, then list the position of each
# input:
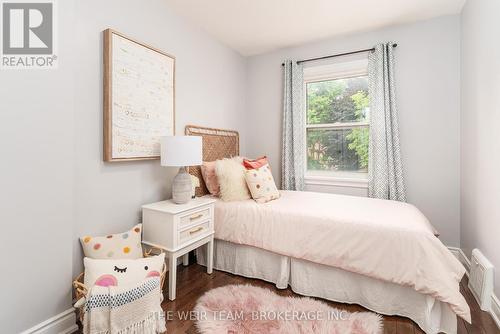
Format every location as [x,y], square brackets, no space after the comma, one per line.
[193,232]
[194,217]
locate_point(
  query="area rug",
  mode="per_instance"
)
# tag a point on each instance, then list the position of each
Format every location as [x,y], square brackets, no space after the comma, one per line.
[248,309]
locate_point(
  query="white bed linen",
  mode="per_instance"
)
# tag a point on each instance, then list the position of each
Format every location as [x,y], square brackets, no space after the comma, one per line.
[310,279]
[385,240]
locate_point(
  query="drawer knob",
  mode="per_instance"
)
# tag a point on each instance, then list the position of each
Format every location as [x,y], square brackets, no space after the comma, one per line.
[194,217]
[195,230]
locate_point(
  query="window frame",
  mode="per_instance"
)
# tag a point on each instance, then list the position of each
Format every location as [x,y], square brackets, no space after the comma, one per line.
[334,71]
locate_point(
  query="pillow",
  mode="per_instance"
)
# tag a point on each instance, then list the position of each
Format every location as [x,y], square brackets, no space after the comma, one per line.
[260,181]
[231,176]
[117,272]
[256,163]
[210,177]
[126,245]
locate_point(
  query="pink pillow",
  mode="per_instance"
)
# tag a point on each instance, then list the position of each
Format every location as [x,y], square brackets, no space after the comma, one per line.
[256,163]
[210,178]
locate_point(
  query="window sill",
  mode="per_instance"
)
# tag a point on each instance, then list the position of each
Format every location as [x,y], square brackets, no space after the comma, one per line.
[336,181]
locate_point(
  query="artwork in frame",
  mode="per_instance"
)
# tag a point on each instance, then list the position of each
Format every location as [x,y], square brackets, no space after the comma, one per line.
[139,98]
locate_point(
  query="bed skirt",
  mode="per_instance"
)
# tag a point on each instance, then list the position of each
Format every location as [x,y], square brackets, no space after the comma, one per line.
[316,280]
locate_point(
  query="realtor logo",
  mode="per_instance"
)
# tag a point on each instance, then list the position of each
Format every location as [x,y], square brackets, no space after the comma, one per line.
[28,34]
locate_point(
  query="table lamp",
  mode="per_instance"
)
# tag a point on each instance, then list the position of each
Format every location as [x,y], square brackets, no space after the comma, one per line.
[181,151]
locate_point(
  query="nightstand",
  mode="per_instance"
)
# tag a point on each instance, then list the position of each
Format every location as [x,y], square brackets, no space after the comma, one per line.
[179,229]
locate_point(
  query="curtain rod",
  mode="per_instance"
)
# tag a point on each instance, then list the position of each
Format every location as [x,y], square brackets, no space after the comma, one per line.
[337,55]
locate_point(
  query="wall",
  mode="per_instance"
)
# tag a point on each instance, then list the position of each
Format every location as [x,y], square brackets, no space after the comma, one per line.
[479,131]
[36,187]
[54,185]
[427,83]
[210,81]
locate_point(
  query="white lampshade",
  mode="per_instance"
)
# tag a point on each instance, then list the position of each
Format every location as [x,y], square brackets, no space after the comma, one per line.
[180,151]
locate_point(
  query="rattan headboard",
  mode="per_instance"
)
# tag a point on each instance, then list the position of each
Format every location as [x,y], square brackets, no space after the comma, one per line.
[217,144]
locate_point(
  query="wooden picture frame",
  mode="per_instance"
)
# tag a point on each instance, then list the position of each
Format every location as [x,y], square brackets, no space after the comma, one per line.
[139,98]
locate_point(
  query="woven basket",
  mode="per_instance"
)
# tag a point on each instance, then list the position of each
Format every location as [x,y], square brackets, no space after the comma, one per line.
[81,289]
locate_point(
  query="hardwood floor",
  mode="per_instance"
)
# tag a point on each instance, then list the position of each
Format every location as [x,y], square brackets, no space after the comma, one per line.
[193,281]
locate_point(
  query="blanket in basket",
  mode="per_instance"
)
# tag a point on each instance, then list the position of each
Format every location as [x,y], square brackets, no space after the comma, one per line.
[125,310]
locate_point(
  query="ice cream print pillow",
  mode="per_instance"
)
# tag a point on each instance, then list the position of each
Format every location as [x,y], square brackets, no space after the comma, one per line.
[118,272]
[125,245]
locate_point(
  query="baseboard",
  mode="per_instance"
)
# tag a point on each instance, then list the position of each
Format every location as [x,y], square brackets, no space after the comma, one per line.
[63,323]
[495,303]
[495,310]
[460,255]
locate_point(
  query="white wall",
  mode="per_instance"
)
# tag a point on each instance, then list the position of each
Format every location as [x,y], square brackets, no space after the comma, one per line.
[36,187]
[54,185]
[480,130]
[427,83]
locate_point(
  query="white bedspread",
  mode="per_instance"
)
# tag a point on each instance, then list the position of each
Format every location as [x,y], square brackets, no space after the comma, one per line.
[386,240]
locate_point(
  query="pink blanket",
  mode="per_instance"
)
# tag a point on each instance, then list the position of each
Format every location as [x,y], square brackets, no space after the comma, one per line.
[386,240]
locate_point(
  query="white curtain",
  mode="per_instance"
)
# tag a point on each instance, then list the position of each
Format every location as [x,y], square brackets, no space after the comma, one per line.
[385,167]
[293,141]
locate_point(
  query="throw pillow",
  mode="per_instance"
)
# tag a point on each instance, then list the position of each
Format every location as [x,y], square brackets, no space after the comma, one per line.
[231,176]
[119,272]
[256,163]
[126,245]
[210,177]
[260,181]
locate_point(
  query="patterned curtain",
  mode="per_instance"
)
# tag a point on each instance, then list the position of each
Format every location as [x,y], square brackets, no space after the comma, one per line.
[385,167]
[293,142]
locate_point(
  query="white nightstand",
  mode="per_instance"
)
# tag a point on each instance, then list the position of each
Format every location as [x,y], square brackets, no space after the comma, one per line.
[178,229]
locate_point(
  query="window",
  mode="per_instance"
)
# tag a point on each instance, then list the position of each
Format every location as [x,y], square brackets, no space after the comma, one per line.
[337,128]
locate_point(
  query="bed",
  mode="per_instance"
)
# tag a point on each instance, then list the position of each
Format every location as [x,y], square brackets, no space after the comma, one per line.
[359,252]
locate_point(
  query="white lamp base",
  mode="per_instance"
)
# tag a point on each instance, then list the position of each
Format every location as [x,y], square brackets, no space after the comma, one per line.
[182,187]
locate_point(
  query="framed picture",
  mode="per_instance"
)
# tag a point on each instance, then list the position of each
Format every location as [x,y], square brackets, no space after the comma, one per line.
[139,98]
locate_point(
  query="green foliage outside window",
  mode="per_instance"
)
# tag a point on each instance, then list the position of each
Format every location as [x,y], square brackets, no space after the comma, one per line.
[338,101]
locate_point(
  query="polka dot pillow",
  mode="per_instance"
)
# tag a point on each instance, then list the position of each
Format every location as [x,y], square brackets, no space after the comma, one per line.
[260,181]
[126,245]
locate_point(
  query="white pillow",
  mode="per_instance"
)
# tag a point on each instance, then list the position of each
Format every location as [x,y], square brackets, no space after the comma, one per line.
[261,184]
[119,272]
[231,177]
[126,245]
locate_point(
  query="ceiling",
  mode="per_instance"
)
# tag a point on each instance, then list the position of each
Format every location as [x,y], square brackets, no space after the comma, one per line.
[258,26]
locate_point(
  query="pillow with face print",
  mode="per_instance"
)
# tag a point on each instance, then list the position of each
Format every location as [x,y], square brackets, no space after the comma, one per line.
[120,272]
